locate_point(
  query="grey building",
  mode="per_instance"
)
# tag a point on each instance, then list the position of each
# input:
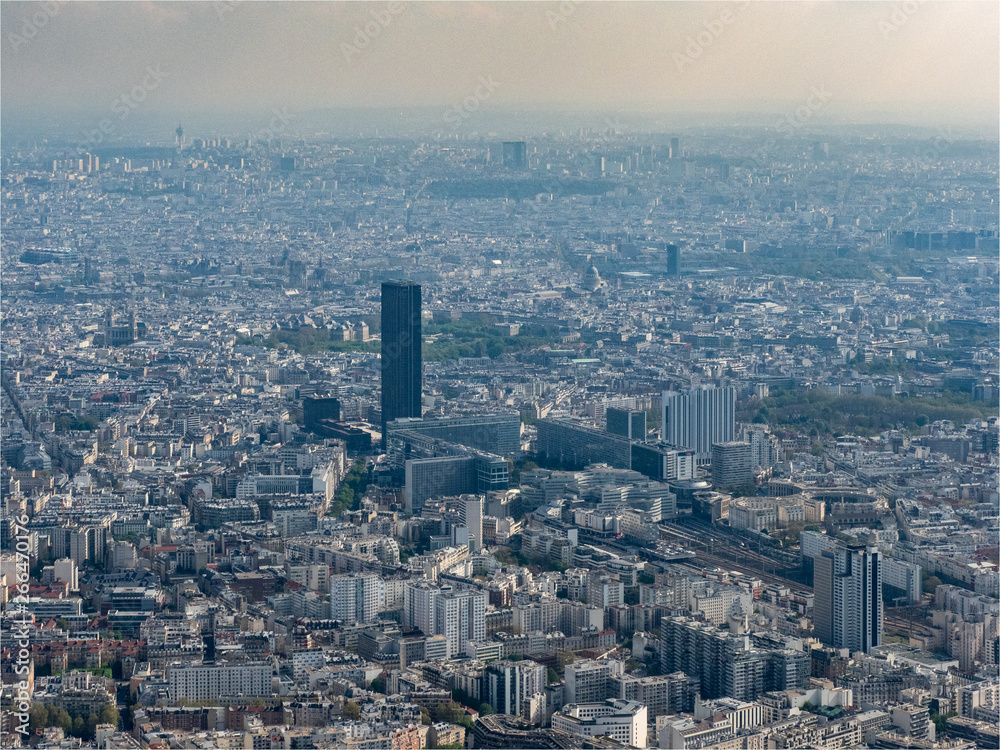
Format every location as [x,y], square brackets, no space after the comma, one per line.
[697,419]
[847,582]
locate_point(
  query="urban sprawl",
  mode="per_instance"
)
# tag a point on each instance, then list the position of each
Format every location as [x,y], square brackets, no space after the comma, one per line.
[595,439]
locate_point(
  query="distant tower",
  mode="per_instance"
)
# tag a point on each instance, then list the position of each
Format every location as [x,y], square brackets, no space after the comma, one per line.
[673,260]
[180,136]
[515,154]
[402,362]
[675,148]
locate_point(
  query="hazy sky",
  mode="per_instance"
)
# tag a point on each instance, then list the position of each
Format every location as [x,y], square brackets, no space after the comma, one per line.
[908,59]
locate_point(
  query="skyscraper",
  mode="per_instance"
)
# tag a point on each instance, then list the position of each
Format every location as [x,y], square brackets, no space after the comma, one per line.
[402,364]
[515,154]
[697,419]
[673,260]
[848,588]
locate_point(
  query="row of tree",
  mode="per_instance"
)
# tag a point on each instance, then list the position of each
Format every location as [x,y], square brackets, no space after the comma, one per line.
[43,715]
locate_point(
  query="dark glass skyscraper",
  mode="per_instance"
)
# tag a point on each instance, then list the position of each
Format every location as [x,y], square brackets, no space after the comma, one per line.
[402,364]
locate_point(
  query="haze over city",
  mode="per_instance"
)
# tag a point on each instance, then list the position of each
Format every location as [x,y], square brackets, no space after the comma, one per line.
[930,63]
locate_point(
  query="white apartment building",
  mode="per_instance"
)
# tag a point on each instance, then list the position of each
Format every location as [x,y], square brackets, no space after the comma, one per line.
[356,597]
[460,616]
[197,682]
[624,721]
[587,681]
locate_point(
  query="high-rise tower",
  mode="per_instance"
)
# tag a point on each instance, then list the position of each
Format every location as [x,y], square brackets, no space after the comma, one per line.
[402,364]
[697,419]
[848,588]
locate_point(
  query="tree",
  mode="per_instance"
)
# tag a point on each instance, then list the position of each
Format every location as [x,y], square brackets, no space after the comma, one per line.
[552,675]
[377,686]
[110,715]
[451,712]
[931,584]
[352,711]
[79,726]
[485,709]
[62,719]
[566,657]
[425,717]
[38,716]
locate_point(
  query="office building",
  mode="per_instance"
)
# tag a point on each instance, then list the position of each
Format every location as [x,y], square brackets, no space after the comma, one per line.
[356,597]
[630,424]
[578,445]
[675,148]
[515,154]
[493,433]
[673,260]
[697,419]
[445,476]
[315,409]
[732,465]
[847,581]
[623,721]
[472,519]
[402,375]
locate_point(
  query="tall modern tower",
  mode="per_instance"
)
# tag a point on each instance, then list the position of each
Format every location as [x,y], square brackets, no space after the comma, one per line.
[848,587]
[673,260]
[697,419]
[402,365]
